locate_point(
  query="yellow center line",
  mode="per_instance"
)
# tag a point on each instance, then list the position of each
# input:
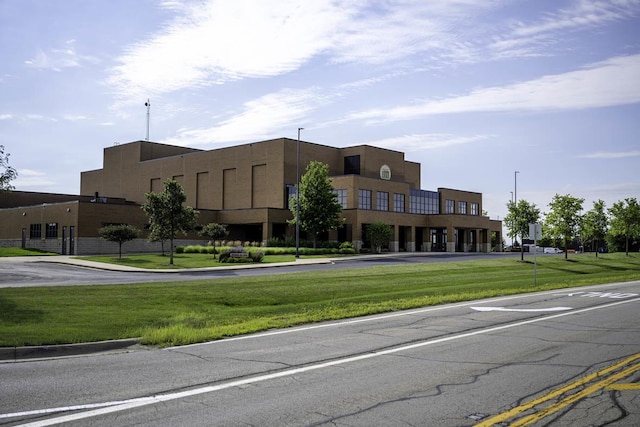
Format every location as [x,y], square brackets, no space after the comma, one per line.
[559,392]
[575,397]
[630,386]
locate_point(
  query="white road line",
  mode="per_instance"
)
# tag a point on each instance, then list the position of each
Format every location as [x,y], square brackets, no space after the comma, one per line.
[150,400]
[522,310]
[387,316]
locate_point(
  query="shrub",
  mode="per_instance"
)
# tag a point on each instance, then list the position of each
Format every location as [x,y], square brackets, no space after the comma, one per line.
[224,256]
[179,249]
[256,256]
[204,249]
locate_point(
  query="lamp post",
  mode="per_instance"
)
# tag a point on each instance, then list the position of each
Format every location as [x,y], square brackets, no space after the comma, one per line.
[515,202]
[298,194]
[515,188]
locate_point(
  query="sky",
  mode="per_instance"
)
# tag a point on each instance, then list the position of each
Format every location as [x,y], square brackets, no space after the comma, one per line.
[473,90]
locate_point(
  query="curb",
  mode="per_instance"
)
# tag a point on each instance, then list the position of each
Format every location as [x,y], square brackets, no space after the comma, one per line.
[64,350]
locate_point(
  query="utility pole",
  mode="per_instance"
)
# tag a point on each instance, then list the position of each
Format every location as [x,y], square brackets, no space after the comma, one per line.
[148,105]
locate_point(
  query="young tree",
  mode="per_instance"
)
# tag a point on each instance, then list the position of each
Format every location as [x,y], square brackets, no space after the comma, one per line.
[518,218]
[564,219]
[319,207]
[7,173]
[379,234]
[215,231]
[595,224]
[625,220]
[167,215]
[120,234]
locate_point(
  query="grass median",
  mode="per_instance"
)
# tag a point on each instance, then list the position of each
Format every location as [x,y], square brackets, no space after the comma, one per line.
[171,313]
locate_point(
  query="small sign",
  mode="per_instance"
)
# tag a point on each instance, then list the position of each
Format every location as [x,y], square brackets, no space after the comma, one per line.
[385,172]
[535,232]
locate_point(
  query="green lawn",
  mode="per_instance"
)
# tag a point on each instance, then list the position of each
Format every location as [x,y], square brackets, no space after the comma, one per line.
[157,261]
[7,252]
[196,311]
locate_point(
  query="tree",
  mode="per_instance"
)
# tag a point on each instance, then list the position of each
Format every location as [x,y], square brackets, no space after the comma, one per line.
[564,219]
[319,207]
[120,234]
[518,218]
[595,224]
[7,173]
[214,231]
[625,220]
[167,215]
[379,234]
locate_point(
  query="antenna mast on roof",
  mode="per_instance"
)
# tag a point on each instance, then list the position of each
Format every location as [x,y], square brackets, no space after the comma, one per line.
[148,105]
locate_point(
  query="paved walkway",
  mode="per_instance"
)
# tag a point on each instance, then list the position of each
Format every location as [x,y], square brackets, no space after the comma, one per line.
[72,260]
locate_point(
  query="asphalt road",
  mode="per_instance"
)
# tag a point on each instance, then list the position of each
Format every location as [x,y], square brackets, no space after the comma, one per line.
[21,272]
[564,358]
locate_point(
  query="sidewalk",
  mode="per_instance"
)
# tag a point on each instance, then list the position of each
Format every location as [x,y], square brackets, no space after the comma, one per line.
[72,260]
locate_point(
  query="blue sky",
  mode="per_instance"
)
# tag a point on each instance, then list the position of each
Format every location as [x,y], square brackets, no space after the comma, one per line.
[474,90]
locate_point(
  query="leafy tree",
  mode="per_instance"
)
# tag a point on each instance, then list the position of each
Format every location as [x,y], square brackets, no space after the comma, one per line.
[595,224]
[120,234]
[215,231]
[167,215]
[564,219]
[625,220]
[7,173]
[518,218]
[379,234]
[319,207]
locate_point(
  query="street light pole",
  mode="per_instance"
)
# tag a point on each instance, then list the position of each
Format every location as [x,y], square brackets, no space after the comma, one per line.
[298,194]
[515,188]
[515,201]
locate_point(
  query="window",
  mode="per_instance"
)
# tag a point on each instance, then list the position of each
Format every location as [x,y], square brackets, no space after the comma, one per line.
[51,232]
[450,206]
[462,208]
[35,231]
[364,199]
[398,202]
[475,209]
[382,201]
[341,196]
[352,165]
[424,202]
[291,194]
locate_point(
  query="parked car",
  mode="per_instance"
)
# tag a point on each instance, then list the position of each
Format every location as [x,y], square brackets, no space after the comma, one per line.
[552,251]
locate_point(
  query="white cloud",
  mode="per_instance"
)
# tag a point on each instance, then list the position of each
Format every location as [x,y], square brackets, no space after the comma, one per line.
[6,116]
[57,59]
[604,84]
[258,119]
[537,37]
[218,41]
[32,178]
[418,142]
[611,155]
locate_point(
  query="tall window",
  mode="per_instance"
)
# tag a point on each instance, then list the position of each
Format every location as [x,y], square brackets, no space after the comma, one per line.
[35,231]
[291,194]
[450,206]
[382,201]
[364,199]
[424,202]
[398,202]
[475,209]
[462,208]
[352,165]
[52,230]
[341,195]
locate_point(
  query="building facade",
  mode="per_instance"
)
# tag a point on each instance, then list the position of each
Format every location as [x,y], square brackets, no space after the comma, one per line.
[248,188]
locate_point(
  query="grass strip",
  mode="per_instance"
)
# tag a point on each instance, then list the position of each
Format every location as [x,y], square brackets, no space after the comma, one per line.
[173,313]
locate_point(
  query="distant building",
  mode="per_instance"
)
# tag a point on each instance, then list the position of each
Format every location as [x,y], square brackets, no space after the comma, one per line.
[248,188]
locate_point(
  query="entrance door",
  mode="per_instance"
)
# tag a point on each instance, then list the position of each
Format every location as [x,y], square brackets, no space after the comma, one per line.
[64,240]
[24,238]
[72,240]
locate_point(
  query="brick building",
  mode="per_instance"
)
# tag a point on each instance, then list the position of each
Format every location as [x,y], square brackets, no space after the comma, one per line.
[248,187]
